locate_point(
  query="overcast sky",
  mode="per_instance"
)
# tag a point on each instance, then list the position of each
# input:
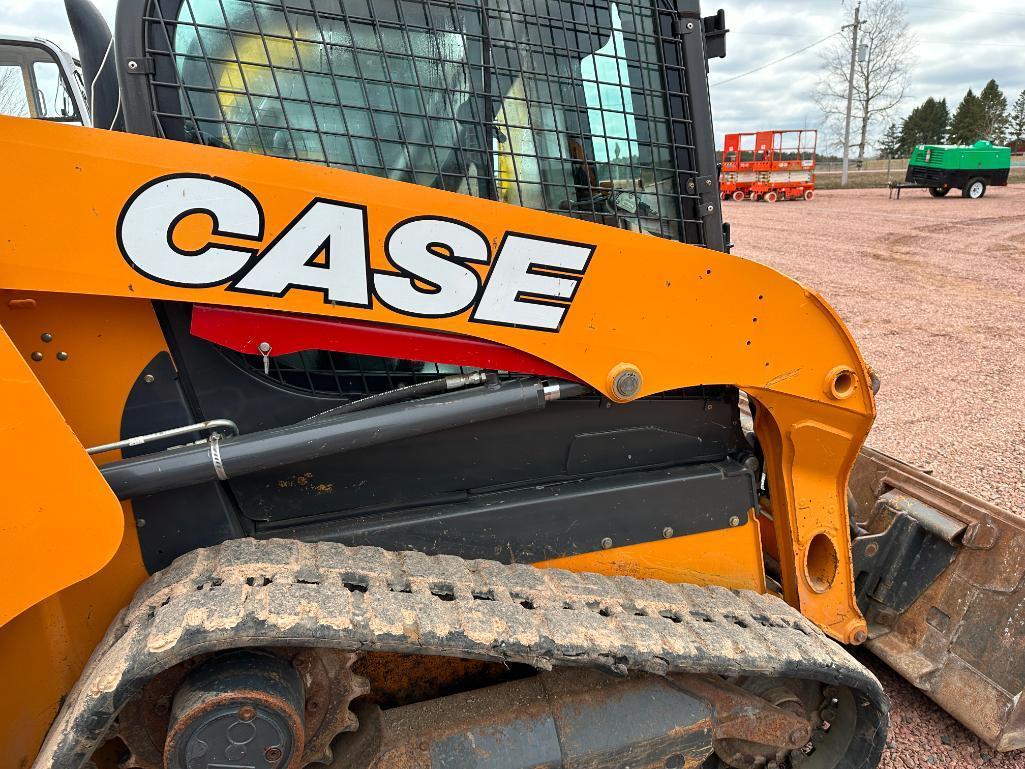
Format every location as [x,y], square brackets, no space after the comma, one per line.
[957,45]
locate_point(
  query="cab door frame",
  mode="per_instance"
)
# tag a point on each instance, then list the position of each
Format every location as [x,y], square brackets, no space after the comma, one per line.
[67,69]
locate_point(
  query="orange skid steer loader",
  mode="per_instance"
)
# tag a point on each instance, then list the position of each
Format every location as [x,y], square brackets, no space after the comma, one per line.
[379,391]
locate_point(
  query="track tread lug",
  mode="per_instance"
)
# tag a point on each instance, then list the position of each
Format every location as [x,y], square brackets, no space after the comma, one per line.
[285,592]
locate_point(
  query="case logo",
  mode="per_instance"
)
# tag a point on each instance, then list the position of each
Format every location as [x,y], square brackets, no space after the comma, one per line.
[529,282]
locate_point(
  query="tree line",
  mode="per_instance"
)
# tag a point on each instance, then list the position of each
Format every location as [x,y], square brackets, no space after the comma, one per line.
[984,117]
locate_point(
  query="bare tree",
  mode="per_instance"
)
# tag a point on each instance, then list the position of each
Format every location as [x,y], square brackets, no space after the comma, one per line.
[12,92]
[881,73]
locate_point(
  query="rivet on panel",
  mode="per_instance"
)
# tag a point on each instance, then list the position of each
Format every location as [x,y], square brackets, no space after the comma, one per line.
[625,382]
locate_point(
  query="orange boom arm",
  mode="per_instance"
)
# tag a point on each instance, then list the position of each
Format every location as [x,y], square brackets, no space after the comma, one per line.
[107,214]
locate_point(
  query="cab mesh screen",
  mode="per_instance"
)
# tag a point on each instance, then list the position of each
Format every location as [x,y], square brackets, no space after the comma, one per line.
[575,107]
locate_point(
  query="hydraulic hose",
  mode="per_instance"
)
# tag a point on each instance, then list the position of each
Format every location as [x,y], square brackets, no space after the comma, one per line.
[407,393]
[221,459]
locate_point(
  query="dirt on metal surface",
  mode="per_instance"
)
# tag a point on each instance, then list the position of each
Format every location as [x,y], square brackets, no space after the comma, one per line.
[962,641]
[933,290]
[329,685]
[399,679]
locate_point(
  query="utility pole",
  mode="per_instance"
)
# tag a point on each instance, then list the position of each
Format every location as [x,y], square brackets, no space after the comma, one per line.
[850,92]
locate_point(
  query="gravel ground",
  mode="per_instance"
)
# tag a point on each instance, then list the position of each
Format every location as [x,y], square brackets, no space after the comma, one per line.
[922,735]
[933,290]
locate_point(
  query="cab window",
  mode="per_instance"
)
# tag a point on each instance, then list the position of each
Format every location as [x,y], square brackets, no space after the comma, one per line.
[52,91]
[13,91]
[33,84]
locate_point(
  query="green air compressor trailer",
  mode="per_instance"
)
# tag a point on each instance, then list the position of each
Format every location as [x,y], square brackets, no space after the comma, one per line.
[942,167]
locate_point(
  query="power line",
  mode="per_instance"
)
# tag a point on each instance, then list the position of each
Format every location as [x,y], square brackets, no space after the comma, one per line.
[980,42]
[959,42]
[956,10]
[776,61]
[747,32]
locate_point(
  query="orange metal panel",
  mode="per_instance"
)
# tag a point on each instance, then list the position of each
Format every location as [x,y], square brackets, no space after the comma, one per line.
[680,315]
[43,650]
[731,152]
[54,500]
[764,145]
[730,557]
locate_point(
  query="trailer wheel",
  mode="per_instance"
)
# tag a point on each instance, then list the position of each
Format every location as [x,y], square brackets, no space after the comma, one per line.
[771,197]
[938,192]
[738,196]
[809,194]
[975,188]
[722,196]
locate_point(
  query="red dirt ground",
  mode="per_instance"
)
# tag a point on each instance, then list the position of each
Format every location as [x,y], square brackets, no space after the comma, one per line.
[933,290]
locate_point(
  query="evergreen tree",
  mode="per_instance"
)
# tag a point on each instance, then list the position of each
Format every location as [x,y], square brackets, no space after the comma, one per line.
[1016,119]
[927,124]
[970,121]
[889,145]
[995,104]
[910,131]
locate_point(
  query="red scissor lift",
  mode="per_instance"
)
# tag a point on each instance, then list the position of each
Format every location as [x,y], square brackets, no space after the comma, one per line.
[769,165]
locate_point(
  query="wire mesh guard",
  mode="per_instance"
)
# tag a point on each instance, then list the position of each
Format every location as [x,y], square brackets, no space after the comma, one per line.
[571,107]
[324,372]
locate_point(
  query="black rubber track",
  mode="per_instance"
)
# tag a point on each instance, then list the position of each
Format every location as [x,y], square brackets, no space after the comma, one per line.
[284,592]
